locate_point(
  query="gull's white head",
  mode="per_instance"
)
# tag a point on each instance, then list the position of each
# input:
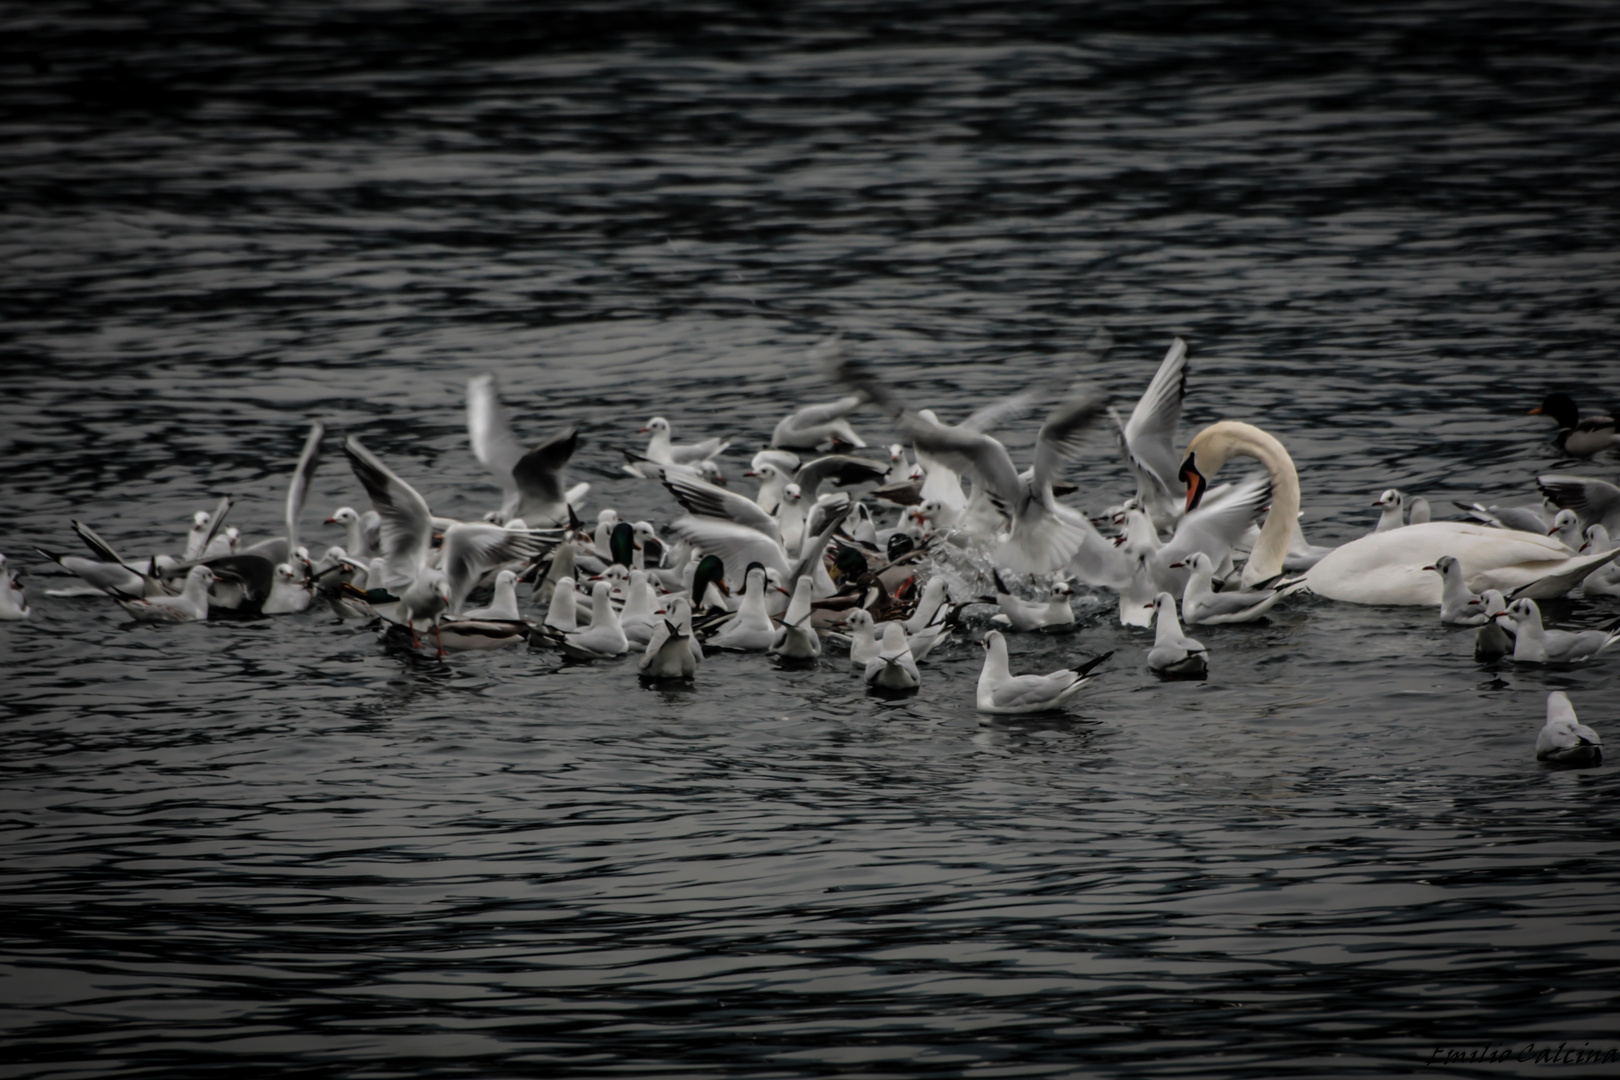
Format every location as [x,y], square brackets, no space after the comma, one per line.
[657,425]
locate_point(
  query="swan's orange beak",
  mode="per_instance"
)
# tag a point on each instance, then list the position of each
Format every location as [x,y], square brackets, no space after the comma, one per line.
[1195,482]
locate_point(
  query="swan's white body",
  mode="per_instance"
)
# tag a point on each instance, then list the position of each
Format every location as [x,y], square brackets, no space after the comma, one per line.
[1388,567]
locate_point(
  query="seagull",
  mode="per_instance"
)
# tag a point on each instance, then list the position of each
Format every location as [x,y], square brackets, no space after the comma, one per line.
[361,531]
[1494,640]
[1148,439]
[604,638]
[673,652]
[469,549]
[1026,616]
[503,606]
[1566,528]
[562,613]
[893,668]
[750,629]
[107,573]
[1515,518]
[1605,580]
[816,426]
[1201,605]
[734,527]
[863,638]
[662,452]
[533,482]
[1593,500]
[1003,693]
[190,606]
[1417,511]
[13,604]
[798,640]
[1394,505]
[1174,653]
[1533,644]
[1459,605]
[1577,437]
[640,615]
[1564,739]
[289,594]
[935,596]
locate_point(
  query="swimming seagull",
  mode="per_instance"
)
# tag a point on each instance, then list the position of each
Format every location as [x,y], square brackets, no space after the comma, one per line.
[1025,616]
[604,638]
[798,640]
[1605,580]
[1003,693]
[361,531]
[750,629]
[1459,605]
[533,482]
[1394,506]
[1174,653]
[1201,605]
[672,652]
[190,606]
[1493,640]
[1534,644]
[290,593]
[503,606]
[1564,738]
[893,668]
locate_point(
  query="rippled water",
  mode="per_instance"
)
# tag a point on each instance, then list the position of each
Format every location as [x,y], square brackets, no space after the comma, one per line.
[1385,232]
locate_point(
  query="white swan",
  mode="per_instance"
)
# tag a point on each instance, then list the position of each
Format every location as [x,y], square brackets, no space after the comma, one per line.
[1386,567]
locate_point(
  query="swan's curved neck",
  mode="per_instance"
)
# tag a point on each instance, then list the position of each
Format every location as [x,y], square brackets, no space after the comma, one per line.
[1219,443]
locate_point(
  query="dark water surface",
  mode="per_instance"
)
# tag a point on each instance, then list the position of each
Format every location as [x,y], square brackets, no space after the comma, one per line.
[276,847]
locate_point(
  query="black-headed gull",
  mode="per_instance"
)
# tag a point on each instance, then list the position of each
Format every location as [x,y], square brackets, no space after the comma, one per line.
[1393,504]
[893,668]
[1535,644]
[672,652]
[562,611]
[503,606]
[1594,500]
[1173,652]
[797,639]
[290,593]
[1201,605]
[190,606]
[361,531]
[1494,640]
[641,614]
[604,638]
[1028,616]
[817,427]
[1605,580]
[533,482]
[1459,605]
[662,451]
[1003,693]
[469,549]
[1148,439]
[1563,738]
[750,629]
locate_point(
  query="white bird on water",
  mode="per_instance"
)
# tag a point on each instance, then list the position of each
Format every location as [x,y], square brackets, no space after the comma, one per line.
[1005,694]
[1534,644]
[672,652]
[1564,739]
[798,640]
[893,668]
[190,606]
[1173,652]
[1202,605]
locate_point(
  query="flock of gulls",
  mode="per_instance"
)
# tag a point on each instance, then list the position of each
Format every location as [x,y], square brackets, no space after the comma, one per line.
[879,553]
